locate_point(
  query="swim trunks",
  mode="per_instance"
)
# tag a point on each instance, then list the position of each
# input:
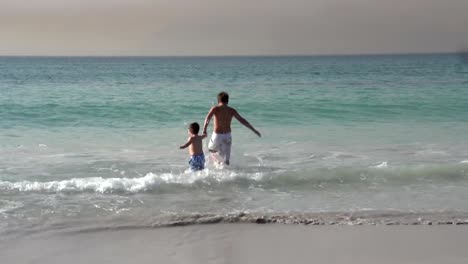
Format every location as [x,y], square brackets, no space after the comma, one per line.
[197,162]
[221,144]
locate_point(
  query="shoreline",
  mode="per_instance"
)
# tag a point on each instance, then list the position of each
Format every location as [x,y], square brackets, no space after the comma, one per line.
[325,219]
[359,218]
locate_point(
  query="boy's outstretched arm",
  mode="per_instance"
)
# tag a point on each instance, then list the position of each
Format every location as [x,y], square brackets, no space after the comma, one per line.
[207,120]
[189,141]
[245,123]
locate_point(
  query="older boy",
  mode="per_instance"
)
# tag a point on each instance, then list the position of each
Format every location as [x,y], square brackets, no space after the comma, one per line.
[221,140]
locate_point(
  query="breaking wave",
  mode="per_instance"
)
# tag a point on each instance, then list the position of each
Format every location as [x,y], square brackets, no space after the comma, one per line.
[318,178]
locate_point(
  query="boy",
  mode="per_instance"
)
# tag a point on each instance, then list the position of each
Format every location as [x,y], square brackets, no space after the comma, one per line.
[197,158]
[221,140]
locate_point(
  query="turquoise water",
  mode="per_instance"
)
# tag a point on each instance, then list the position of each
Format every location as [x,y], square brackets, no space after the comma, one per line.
[84,140]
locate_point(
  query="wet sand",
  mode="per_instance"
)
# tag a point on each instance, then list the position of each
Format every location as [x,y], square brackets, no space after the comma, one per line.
[246,243]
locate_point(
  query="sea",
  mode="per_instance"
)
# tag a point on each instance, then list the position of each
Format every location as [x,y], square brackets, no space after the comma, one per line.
[90,143]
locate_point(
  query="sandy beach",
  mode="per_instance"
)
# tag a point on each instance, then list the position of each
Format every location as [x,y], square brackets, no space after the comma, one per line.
[246,243]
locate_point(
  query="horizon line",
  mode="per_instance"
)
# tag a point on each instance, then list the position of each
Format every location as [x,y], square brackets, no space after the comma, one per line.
[234,56]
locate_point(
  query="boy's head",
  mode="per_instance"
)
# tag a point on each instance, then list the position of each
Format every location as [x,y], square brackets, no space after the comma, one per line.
[223,97]
[194,128]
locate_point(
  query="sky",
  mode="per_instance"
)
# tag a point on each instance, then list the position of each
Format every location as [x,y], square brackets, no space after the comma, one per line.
[231,27]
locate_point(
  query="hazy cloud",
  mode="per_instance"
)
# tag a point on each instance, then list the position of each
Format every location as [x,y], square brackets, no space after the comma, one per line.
[230,27]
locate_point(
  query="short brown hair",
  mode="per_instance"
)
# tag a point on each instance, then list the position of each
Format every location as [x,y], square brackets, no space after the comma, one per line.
[194,128]
[223,97]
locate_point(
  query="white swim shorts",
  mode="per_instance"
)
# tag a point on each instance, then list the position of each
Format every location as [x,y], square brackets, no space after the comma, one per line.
[221,144]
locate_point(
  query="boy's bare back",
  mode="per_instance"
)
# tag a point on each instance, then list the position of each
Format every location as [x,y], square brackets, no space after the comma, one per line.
[222,118]
[196,146]
[194,142]
[223,115]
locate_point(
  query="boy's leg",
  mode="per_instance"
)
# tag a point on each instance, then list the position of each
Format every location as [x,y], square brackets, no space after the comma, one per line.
[191,164]
[216,158]
[226,149]
[214,148]
[197,162]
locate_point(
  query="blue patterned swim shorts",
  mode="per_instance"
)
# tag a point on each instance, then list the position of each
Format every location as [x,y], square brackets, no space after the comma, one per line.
[197,162]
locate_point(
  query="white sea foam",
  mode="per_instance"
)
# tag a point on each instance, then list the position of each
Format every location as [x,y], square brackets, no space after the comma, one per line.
[381,165]
[246,177]
[94,184]
[148,182]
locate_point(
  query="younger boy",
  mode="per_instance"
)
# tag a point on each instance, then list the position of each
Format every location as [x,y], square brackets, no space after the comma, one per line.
[197,158]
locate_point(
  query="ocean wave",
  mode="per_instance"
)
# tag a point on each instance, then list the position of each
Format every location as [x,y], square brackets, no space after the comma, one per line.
[379,175]
[94,184]
[148,182]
